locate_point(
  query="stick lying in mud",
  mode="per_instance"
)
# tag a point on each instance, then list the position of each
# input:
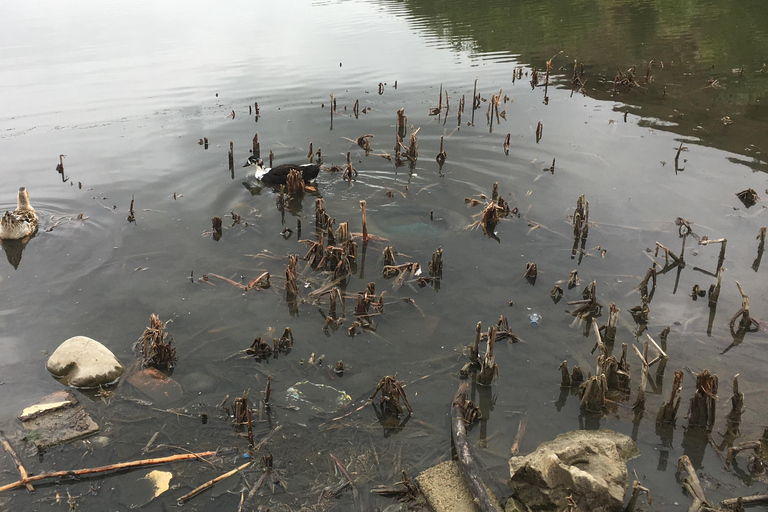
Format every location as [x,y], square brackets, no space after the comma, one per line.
[210,483]
[17,461]
[692,485]
[104,469]
[466,462]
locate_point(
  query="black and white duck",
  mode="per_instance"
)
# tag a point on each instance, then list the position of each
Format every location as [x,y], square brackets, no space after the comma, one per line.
[21,222]
[278,175]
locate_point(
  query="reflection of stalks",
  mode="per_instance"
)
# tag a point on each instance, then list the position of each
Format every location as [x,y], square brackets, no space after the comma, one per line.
[365,224]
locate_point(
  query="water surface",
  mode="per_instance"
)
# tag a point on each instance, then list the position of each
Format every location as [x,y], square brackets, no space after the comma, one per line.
[127,98]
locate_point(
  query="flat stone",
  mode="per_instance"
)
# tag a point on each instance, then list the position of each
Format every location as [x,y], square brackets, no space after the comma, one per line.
[589,465]
[444,488]
[56,419]
[82,362]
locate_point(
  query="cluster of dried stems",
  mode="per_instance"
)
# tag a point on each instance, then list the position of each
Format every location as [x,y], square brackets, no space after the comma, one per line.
[154,345]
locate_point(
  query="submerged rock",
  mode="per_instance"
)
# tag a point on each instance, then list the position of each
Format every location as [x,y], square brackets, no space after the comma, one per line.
[590,465]
[82,362]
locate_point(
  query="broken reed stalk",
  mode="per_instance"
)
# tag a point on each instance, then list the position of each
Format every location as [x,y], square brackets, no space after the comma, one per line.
[231,155]
[668,410]
[747,322]
[210,483]
[402,119]
[441,156]
[489,370]
[256,146]
[19,466]
[636,490]
[294,183]
[412,153]
[469,467]
[593,394]
[436,263]
[291,277]
[714,290]
[613,320]
[217,227]
[131,213]
[581,218]
[104,469]
[703,404]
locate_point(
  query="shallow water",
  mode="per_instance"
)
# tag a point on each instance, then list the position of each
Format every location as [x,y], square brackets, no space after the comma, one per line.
[127,98]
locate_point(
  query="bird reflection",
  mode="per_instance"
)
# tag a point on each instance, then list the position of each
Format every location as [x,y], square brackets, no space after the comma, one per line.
[13,250]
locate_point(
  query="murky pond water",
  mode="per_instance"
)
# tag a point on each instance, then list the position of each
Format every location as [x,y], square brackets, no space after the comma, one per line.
[127,96]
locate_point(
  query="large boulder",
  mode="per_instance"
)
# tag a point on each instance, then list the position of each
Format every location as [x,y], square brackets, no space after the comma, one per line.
[589,465]
[82,362]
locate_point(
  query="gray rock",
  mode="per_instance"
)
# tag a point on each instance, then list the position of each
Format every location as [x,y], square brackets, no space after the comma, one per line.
[82,362]
[590,465]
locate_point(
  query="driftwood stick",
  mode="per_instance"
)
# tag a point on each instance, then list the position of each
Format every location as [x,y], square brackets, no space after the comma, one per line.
[733,450]
[17,461]
[692,485]
[755,499]
[210,483]
[111,467]
[467,463]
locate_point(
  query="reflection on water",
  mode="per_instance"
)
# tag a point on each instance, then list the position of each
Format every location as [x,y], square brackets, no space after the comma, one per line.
[128,100]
